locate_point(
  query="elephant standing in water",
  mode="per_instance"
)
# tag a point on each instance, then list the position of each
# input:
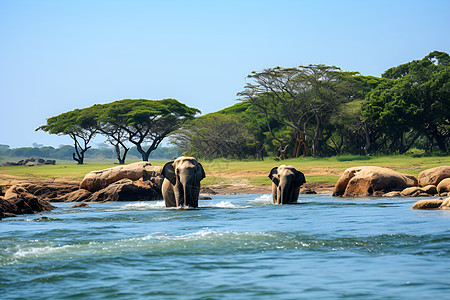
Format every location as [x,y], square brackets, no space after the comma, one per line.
[286,182]
[181,185]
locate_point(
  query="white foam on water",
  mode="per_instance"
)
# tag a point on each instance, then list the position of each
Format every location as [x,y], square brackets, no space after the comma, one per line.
[155,242]
[161,205]
[194,235]
[198,235]
[144,205]
[226,204]
[41,251]
[210,233]
[266,199]
[202,234]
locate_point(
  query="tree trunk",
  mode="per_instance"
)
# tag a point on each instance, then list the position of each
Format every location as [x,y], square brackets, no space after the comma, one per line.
[79,159]
[315,141]
[282,152]
[144,154]
[438,137]
[121,158]
[366,135]
[297,144]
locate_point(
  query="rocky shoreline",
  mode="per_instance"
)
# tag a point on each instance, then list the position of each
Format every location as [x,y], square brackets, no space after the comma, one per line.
[27,196]
[142,182]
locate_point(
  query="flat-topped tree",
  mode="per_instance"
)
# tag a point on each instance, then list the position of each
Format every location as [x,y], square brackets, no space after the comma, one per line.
[79,124]
[117,137]
[114,134]
[146,121]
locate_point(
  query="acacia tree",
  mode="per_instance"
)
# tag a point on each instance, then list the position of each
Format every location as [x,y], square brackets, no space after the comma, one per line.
[144,121]
[301,98]
[114,134]
[79,125]
[136,121]
[117,137]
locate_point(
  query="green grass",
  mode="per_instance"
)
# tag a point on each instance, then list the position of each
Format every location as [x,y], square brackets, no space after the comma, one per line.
[217,180]
[70,171]
[403,163]
[67,170]
[322,178]
[324,170]
[352,157]
[260,180]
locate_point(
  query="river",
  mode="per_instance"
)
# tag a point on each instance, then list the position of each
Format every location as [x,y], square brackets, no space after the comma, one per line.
[232,247]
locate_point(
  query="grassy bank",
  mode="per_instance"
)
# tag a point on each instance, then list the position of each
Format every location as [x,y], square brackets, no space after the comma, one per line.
[222,171]
[323,170]
[62,170]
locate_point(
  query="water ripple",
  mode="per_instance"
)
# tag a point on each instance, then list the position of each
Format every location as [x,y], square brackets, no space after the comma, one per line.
[224,242]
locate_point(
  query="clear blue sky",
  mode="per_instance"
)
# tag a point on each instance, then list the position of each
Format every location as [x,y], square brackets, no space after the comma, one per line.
[57,55]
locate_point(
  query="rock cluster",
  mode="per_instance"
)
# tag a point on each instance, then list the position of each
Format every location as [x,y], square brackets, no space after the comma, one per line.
[377,181]
[439,179]
[433,204]
[22,203]
[138,181]
[434,176]
[371,181]
[32,161]
[47,190]
[134,182]
[21,197]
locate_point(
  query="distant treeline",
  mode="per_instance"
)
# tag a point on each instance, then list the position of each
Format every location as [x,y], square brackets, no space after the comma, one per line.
[64,152]
[319,111]
[313,110]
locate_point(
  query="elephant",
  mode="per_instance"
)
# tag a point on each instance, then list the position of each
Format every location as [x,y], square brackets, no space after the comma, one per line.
[286,182]
[181,185]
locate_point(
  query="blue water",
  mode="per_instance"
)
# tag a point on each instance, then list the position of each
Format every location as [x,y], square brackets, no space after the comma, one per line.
[232,247]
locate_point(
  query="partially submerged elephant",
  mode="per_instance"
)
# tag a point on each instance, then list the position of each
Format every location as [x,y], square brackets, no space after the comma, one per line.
[286,182]
[181,185]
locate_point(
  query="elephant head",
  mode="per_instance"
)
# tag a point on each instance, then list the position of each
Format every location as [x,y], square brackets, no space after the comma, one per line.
[181,185]
[286,182]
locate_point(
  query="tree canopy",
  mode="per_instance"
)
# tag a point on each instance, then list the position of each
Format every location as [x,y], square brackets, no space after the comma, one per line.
[144,121]
[315,110]
[302,99]
[141,122]
[414,101]
[321,111]
[79,124]
[214,136]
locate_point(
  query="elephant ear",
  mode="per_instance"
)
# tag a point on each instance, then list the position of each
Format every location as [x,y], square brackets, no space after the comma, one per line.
[200,171]
[273,175]
[168,172]
[299,178]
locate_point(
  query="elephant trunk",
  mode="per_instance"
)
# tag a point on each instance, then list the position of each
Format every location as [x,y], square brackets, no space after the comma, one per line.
[284,195]
[285,191]
[188,192]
